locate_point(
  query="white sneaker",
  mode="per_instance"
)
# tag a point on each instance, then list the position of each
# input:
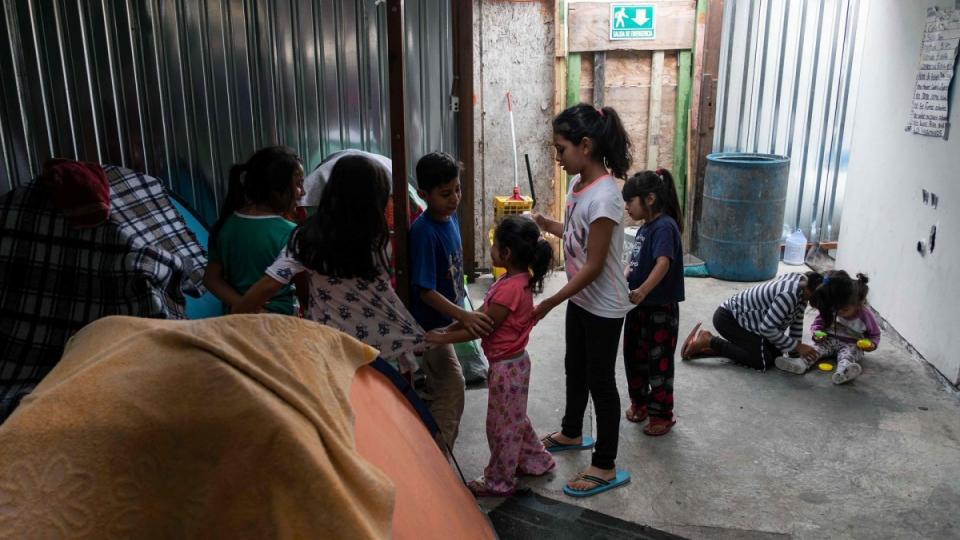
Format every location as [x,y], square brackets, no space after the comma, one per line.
[793,365]
[851,372]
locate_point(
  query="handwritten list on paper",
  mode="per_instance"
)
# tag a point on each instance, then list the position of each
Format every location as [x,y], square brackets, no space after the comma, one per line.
[931,107]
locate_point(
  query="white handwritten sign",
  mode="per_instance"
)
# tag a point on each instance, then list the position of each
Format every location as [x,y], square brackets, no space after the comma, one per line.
[931,106]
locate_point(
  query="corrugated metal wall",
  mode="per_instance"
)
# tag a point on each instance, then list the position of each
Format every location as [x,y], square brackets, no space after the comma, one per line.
[182,89]
[788,78]
[431,121]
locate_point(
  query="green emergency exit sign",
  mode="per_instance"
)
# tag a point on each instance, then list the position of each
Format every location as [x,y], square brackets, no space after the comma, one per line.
[631,21]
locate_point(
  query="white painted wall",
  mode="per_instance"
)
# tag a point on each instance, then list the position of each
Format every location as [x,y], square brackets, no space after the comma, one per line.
[513,50]
[884,216]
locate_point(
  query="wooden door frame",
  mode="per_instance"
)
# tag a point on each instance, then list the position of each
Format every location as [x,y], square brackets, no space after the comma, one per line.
[701,135]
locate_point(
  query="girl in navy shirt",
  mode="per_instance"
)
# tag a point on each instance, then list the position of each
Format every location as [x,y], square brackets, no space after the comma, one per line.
[655,278]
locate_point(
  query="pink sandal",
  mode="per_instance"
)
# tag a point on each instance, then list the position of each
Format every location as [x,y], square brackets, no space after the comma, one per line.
[521,472]
[479,488]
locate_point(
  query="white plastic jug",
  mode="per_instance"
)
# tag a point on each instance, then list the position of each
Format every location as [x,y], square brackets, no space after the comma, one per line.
[795,252]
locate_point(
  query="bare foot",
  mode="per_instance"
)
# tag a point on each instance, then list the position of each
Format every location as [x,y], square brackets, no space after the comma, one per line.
[581,484]
[561,439]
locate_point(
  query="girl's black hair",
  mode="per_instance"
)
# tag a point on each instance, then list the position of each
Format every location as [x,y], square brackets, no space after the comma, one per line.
[347,236]
[837,290]
[611,145]
[660,183]
[266,178]
[528,250]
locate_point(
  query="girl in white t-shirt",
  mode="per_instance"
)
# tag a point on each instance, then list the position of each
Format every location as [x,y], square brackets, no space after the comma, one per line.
[593,147]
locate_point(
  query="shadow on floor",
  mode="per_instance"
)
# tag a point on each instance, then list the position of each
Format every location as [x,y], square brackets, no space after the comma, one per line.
[527,515]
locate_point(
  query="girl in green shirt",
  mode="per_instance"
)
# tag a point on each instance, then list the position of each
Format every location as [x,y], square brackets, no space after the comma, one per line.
[252,229]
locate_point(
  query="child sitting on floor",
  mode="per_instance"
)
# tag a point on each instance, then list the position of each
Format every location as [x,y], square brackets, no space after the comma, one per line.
[847,329]
[514,446]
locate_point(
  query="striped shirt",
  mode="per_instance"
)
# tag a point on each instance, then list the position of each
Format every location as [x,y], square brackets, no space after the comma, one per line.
[769,309]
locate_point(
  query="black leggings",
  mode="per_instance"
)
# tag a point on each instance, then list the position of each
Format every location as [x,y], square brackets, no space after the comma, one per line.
[739,344]
[590,365]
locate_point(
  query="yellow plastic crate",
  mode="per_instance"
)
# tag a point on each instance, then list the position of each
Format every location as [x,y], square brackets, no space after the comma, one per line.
[504,206]
[497,271]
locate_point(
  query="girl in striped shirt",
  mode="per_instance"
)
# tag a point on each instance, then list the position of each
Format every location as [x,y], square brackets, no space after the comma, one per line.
[759,324]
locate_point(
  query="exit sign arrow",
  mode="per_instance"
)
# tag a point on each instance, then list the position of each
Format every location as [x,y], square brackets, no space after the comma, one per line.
[640,17]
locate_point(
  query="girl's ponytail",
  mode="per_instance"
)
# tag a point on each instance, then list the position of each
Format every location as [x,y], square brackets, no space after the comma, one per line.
[235,200]
[668,194]
[528,250]
[615,143]
[861,286]
[540,265]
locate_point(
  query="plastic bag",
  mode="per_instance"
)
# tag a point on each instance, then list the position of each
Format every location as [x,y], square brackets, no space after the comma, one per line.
[469,353]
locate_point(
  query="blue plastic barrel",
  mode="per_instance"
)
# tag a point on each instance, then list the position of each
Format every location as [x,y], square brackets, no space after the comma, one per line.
[742,217]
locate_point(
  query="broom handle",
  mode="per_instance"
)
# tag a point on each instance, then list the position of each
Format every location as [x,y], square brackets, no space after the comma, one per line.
[513,137]
[533,194]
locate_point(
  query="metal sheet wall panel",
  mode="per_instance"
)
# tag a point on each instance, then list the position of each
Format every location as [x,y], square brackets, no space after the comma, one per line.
[182,89]
[431,122]
[787,86]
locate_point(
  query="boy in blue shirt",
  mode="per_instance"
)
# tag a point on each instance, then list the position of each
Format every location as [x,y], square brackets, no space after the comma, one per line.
[437,291]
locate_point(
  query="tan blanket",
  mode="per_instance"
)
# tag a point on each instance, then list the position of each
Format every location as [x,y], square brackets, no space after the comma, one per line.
[235,427]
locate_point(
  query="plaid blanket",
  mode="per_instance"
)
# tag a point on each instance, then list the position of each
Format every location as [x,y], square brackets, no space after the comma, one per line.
[56,278]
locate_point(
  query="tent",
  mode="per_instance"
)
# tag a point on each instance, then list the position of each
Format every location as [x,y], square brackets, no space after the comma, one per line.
[207,305]
[237,426]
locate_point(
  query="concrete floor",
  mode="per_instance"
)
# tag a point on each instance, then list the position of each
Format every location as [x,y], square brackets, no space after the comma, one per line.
[761,455]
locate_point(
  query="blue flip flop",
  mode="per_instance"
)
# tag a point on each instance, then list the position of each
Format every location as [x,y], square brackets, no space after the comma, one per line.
[623,477]
[586,444]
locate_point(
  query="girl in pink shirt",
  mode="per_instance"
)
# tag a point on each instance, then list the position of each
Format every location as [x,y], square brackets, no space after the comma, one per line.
[515,448]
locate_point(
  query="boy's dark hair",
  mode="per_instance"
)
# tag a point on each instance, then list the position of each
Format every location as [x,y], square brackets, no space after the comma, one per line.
[266,178]
[836,291]
[528,249]
[603,126]
[436,169]
[660,183]
[347,236]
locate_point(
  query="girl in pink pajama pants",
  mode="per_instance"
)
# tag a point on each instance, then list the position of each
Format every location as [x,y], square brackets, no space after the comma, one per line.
[515,448]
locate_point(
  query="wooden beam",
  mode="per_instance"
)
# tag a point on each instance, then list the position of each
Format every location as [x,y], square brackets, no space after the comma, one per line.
[598,78]
[589,27]
[573,79]
[681,113]
[653,122]
[560,28]
[398,145]
[701,140]
[462,14]
[560,99]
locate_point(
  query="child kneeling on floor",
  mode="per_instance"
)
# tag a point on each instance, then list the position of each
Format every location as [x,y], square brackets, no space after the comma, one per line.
[515,448]
[844,329]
